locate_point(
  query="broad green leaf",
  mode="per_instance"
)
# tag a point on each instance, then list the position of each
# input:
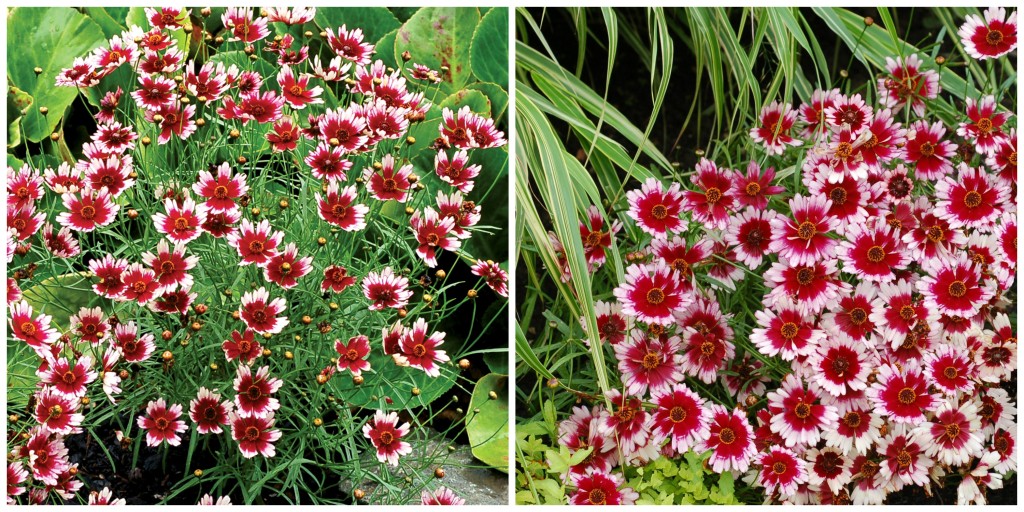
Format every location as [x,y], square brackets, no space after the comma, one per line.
[48,38]
[110,19]
[487,421]
[493,181]
[386,380]
[497,96]
[489,51]
[375,22]
[386,49]
[476,101]
[436,37]
[62,296]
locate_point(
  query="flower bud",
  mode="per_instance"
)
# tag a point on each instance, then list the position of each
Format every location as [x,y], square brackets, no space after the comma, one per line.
[44,110]
[406,56]
[439,473]
[198,473]
[318,422]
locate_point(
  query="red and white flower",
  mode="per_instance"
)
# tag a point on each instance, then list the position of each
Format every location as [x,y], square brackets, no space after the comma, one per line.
[87,210]
[601,488]
[140,284]
[797,414]
[260,313]
[171,18]
[420,350]
[1003,160]
[61,244]
[255,243]
[841,365]
[985,126]
[58,413]
[992,37]
[873,253]
[710,204]
[386,183]
[812,286]
[285,268]
[344,129]
[950,369]
[953,436]
[857,431]
[255,435]
[680,416]
[751,232]
[253,392]
[47,455]
[162,423]
[786,331]
[90,325]
[776,121]
[385,289]
[828,466]
[656,210]
[242,346]
[296,90]
[336,279]
[352,355]
[649,363]
[905,462]
[803,240]
[495,277]
[37,332]
[175,120]
[208,412]
[134,348]
[154,93]
[455,171]
[849,111]
[731,440]
[386,435]
[901,393]
[652,294]
[954,286]
[433,233]
[171,266]
[971,200]
[221,191]
[243,27]
[337,207]
[928,152]
[182,221]
[907,84]
[781,471]
[628,423]
[440,496]
[349,45]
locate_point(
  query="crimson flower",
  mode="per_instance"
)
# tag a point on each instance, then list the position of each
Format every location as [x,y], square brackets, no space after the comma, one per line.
[386,435]
[352,355]
[992,37]
[260,313]
[244,347]
[162,423]
[254,392]
[255,434]
[208,412]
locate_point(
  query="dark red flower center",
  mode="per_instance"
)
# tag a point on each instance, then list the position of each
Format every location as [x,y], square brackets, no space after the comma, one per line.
[180,223]
[840,365]
[352,354]
[257,110]
[802,410]
[210,413]
[677,414]
[789,330]
[139,286]
[433,239]
[88,212]
[166,267]
[869,469]
[244,345]
[170,118]
[22,192]
[69,377]
[807,230]
[858,316]
[849,117]
[651,360]
[339,210]
[625,414]
[952,431]
[844,150]
[107,180]
[221,192]
[1012,159]
[253,392]
[1002,444]
[899,187]
[904,459]
[852,419]
[419,350]
[957,289]
[162,423]
[838,196]
[805,276]
[252,433]
[994,37]
[727,436]
[907,396]
[42,456]
[89,328]
[655,296]
[950,372]
[593,239]
[460,133]
[927,149]
[753,189]
[972,199]
[907,312]
[597,497]
[296,90]
[682,266]
[755,237]
[713,195]
[659,211]
[259,315]
[987,410]
[876,254]
[256,246]
[997,355]
[779,468]
[20,224]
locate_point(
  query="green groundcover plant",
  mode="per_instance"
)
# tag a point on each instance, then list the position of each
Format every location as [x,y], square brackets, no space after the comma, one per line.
[820,311]
[254,255]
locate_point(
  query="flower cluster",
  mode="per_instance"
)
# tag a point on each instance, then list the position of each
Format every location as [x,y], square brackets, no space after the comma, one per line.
[356,114]
[885,275]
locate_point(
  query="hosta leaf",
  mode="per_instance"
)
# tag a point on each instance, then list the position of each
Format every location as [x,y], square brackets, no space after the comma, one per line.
[387,380]
[487,422]
[437,36]
[497,96]
[375,22]
[48,38]
[489,52]
[110,19]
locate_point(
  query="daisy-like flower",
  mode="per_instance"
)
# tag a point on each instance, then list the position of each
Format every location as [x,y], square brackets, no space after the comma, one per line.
[440,496]
[87,210]
[90,325]
[337,207]
[208,412]
[336,279]
[140,284]
[24,186]
[828,466]
[465,129]
[112,174]
[710,204]
[154,92]
[421,350]
[16,475]
[171,18]
[971,200]
[992,37]
[208,500]
[105,497]
[680,417]
[495,277]
[872,253]
[985,126]
[433,233]
[953,436]
[580,432]
[649,362]
[58,413]
[176,120]
[171,266]
[652,294]
[751,232]
[455,171]
[804,239]
[754,188]
[849,111]
[627,423]
[680,258]
[781,471]
[656,210]
[385,289]
[328,163]
[344,129]
[595,239]
[167,62]
[885,138]
[386,121]
[1005,444]
[996,411]
[932,237]
[785,330]
[349,45]
[134,348]
[109,270]
[982,478]
[221,190]
[292,15]
[352,355]
[901,393]
[255,243]
[386,435]
[601,488]
[61,244]
[334,71]
[285,267]
[176,301]
[841,365]
[851,314]
[731,440]
[953,286]
[776,122]
[162,423]
[182,221]
[254,392]
[260,107]
[907,84]
[242,346]
[996,358]
[813,286]
[387,182]
[813,114]
[950,369]
[1003,159]
[704,353]
[47,455]
[108,105]
[797,415]
[857,431]
[905,462]
[221,224]
[255,434]
[242,25]
[260,313]
[114,138]
[928,152]
[36,331]
[26,221]
[296,90]
[285,135]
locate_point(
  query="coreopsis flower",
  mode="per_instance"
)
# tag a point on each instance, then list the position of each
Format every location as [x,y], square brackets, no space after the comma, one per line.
[996,359]
[954,286]
[221,191]
[812,286]
[901,393]
[109,270]
[260,313]
[285,268]
[260,107]
[465,129]
[841,365]
[114,138]
[182,221]
[89,325]
[898,186]
[296,90]
[950,369]
[1003,159]
[710,204]
[105,497]
[465,214]
[680,416]
[750,232]
[857,431]
[242,346]
[349,45]
[804,240]
[656,210]
[971,200]
[904,462]
[928,152]
[731,440]
[333,72]
[328,163]
[112,174]
[291,15]
[705,353]
[873,253]
[388,183]
[932,237]
[797,414]
[210,82]
[67,379]
[47,455]
[852,314]
[36,331]
[420,350]
[134,348]
[284,135]
[208,412]
[953,436]
[255,434]
[162,423]
[154,93]
[996,410]
[907,84]
[140,284]
[175,120]
[982,478]
[24,186]
[627,423]
[440,496]
[781,471]
[985,126]
[385,289]
[344,129]
[65,179]
[208,500]
[87,210]
[171,266]
[58,413]
[776,121]
[422,72]
[352,355]
[813,114]
[254,392]
[885,140]
[601,488]
[336,279]
[828,466]
[16,475]
[173,301]
[433,233]
[337,207]
[850,112]
[649,363]
[82,73]
[171,18]
[455,171]
[1004,443]
[580,432]
[844,156]
[652,293]
[386,122]
[495,277]
[386,435]
[167,62]
[992,37]
[13,292]
[754,188]
[785,330]
[243,27]
[255,243]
